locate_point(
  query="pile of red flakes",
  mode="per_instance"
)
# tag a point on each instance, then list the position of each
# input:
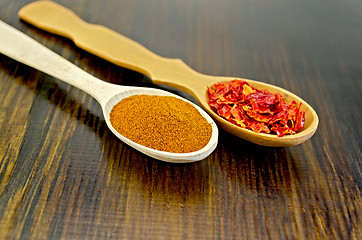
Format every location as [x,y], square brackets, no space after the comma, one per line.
[258,110]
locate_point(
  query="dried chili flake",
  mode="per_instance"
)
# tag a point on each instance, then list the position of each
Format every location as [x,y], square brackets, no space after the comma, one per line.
[257,110]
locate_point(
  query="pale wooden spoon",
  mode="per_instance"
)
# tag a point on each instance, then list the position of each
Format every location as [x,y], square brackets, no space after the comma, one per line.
[24,49]
[127,53]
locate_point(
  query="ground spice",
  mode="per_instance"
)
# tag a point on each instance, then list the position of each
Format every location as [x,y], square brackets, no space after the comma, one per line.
[163,123]
[254,109]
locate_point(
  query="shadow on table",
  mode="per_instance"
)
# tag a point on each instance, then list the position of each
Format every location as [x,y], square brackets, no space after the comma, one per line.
[266,171]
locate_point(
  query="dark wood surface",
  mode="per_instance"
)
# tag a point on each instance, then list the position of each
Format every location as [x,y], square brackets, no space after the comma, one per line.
[63,175]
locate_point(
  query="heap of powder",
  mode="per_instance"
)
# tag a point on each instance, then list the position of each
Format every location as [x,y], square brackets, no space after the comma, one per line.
[163,123]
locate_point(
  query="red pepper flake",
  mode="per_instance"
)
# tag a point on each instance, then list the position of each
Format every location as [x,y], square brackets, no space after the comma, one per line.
[258,110]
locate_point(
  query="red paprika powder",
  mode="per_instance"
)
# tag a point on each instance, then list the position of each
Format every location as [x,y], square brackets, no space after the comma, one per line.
[163,123]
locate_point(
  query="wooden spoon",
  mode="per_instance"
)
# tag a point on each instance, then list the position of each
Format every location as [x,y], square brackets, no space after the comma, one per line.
[127,53]
[24,49]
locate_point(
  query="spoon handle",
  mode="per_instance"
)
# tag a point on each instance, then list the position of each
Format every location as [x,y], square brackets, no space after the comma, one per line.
[24,49]
[112,46]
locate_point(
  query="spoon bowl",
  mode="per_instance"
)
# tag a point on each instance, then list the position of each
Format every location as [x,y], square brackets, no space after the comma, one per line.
[127,53]
[161,155]
[24,49]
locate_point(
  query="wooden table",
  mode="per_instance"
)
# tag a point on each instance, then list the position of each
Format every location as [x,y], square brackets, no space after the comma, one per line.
[64,175]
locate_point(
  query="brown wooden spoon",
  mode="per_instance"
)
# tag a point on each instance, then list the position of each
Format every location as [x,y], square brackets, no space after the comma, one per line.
[122,51]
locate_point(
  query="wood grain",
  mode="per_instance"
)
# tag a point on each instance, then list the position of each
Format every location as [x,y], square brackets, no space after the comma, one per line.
[63,175]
